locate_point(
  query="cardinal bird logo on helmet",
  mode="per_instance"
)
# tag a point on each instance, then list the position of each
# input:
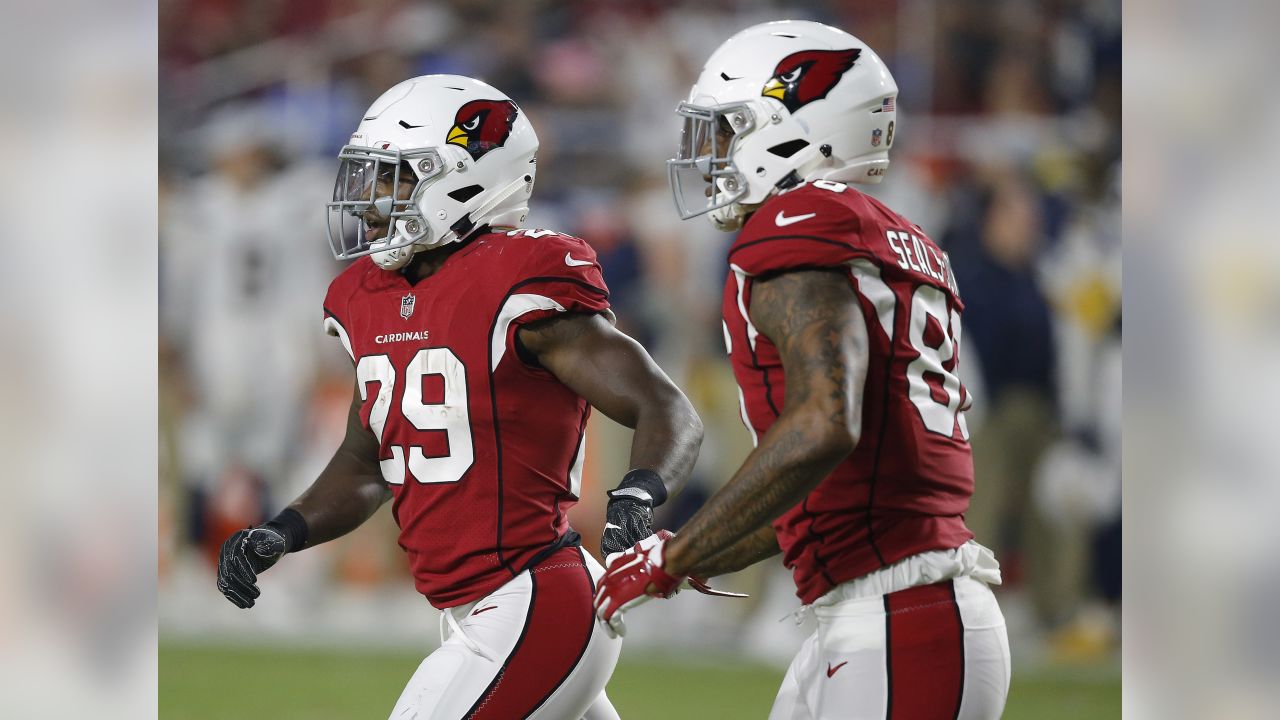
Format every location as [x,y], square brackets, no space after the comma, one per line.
[482,125]
[808,75]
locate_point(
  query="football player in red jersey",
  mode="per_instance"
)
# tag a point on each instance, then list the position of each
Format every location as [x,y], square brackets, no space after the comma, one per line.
[479,349]
[842,321]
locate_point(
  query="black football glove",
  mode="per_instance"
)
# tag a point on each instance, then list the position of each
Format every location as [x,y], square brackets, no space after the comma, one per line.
[243,556]
[628,520]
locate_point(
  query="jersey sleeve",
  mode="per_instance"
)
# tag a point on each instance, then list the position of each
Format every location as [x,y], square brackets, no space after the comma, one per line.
[805,228]
[336,302]
[561,274]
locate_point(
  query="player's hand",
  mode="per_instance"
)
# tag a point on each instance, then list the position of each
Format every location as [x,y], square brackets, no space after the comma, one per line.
[245,554]
[634,577]
[628,520]
[697,583]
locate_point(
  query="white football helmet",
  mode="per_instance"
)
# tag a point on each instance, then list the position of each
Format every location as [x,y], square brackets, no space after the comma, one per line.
[452,153]
[777,104]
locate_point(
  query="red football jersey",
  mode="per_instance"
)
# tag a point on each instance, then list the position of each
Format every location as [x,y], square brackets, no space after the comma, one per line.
[482,451]
[905,488]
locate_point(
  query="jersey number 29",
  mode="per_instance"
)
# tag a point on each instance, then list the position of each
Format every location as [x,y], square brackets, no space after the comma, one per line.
[452,416]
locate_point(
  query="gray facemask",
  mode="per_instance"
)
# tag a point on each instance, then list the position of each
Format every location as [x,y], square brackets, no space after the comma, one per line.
[375,188]
[703,176]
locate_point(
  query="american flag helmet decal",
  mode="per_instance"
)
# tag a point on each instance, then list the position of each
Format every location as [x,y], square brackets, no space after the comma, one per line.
[886,105]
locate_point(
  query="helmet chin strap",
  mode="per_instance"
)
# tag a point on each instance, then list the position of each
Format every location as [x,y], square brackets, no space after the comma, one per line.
[727,218]
[395,259]
[732,216]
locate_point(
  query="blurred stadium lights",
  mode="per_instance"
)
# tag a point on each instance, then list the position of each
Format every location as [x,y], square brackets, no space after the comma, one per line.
[290,59]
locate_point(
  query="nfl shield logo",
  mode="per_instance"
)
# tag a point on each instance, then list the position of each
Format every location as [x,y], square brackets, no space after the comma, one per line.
[875,136]
[406,306]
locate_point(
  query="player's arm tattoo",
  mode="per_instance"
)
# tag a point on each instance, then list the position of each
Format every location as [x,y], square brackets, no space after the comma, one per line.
[615,374]
[350,488]
[815,321]
[748,551]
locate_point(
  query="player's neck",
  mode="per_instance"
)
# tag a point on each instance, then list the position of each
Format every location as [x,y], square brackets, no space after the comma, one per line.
[426,262]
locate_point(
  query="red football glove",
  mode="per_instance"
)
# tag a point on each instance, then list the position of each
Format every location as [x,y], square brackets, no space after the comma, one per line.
[631,573]
[634,577]
[693,581]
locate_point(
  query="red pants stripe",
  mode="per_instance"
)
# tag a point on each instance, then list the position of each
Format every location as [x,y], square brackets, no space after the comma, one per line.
[925,653]
[549,648]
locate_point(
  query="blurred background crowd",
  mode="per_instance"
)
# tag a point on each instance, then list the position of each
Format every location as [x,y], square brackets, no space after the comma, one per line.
[1008,154]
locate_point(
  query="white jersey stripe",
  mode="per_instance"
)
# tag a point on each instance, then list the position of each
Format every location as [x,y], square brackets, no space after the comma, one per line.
[741,276]
[333,327]
[514,307]
[575,473]
[867,276]
[742,407]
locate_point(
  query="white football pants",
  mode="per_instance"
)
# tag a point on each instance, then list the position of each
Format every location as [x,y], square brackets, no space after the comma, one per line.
[530,649]
[930,652]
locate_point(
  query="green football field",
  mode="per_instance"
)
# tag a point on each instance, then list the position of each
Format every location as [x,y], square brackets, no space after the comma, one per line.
[207,683]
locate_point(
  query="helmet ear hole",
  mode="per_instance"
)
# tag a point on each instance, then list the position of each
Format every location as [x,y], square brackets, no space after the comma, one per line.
[789,148]
[464,194]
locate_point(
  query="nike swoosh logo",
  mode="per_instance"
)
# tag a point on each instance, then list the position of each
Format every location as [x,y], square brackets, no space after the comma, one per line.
[485,609]
[611,526]
[571,262]
[783,220]
[832,670]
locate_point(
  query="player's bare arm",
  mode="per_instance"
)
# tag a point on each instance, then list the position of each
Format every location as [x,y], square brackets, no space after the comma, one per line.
[346,493]
[759,545]
[350,488]
[816,323]
[616,375]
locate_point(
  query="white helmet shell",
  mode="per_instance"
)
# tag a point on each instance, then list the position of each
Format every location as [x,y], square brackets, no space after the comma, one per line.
[450,153]
[776,99]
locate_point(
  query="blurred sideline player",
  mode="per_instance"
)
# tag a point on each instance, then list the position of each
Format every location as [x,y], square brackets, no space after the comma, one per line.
[842,322]
[479,349]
